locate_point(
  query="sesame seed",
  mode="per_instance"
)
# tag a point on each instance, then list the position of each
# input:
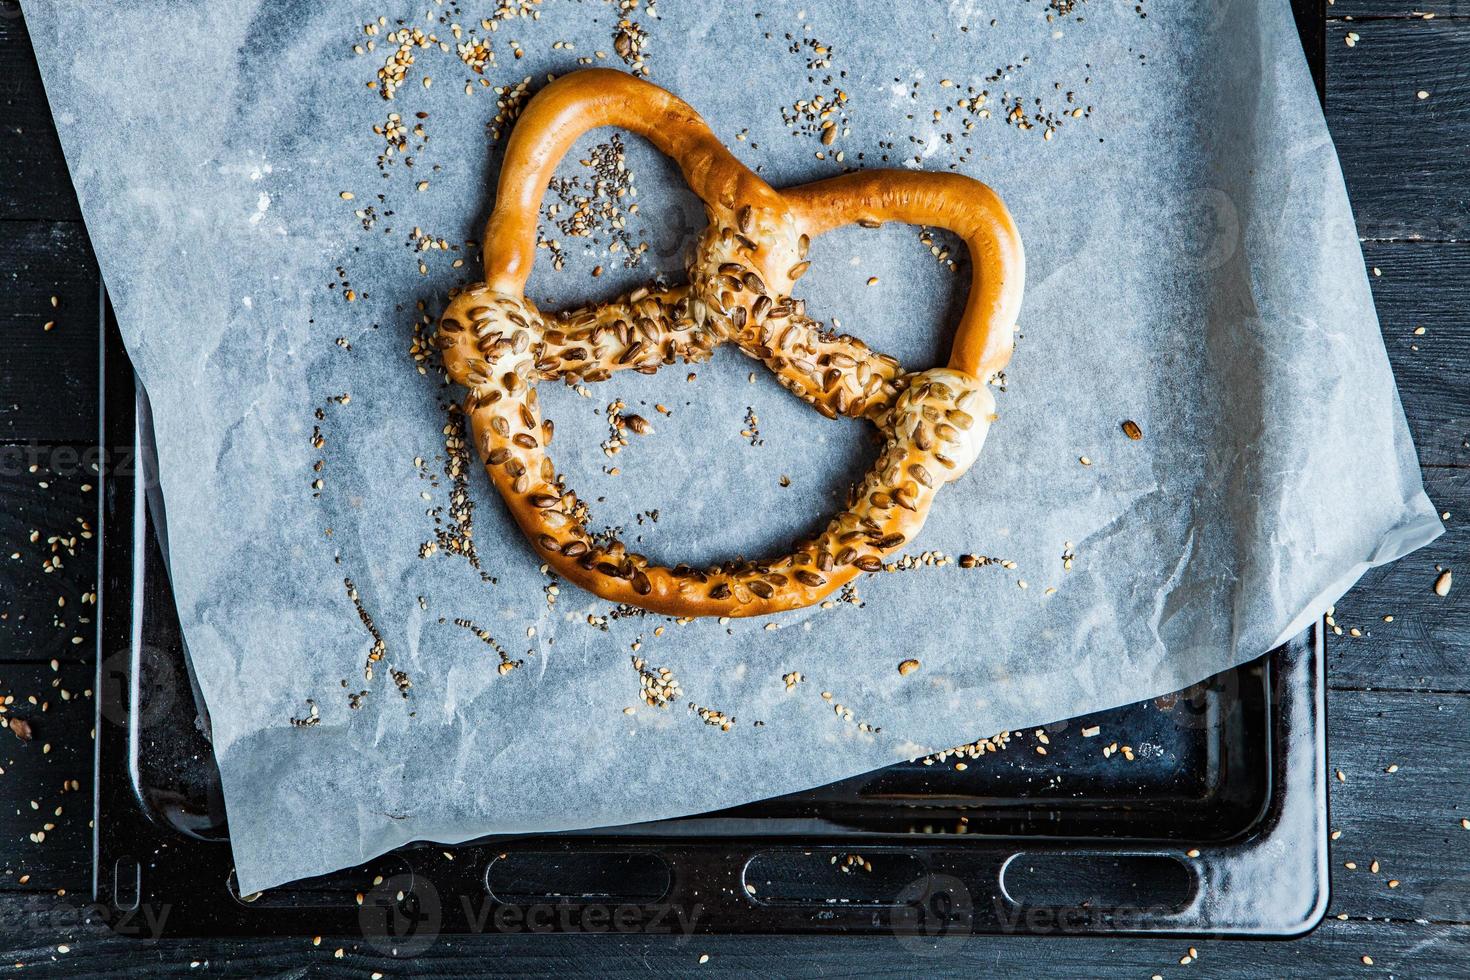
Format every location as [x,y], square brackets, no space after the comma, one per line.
[1443,583]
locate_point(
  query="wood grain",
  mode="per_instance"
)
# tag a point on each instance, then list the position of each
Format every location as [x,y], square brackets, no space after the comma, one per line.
[1337,949]
[1407,820]
[36,184]
[48,378]
[1363,10]
[1427,645]
[1405,158]
[43,615]
[53,769]
[1427,285]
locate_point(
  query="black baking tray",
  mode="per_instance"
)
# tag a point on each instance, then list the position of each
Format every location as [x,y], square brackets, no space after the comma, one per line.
[1217,826]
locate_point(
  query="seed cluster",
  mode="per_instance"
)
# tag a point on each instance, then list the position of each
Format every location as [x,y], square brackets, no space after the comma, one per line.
[713,718]
[378,650]
[509,101]
[507,662]
[312,718]
[601,203]
[657,686]
[454,532]
[971,750]
[395,69]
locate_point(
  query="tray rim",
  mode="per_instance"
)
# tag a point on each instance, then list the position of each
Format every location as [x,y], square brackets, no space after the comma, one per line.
[1291,832]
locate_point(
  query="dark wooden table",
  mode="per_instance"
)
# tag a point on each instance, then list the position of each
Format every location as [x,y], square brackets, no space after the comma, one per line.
[1399,701]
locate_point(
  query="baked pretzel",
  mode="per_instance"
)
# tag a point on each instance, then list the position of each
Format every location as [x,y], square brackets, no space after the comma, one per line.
[498,344]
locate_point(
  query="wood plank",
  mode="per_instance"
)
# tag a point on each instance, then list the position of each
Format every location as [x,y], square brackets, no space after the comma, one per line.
[1427,646]
[1407,168]
[1426,285]
[36,185]
[48,378]
[1334,950]
[1361,10]
[1407,820]
[51,770]
[45,612]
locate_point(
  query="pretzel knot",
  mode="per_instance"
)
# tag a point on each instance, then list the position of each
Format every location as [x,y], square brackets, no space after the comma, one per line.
[499,345]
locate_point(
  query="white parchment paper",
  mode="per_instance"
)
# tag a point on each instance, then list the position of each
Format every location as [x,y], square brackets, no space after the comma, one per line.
[1193,267]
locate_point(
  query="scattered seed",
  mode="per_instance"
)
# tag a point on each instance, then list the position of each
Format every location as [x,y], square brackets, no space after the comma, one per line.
[1443,583]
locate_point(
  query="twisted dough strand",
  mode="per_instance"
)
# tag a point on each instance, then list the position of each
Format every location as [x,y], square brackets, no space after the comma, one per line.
[496,343]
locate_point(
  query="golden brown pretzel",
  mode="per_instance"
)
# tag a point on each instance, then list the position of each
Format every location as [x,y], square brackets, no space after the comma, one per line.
[496,343]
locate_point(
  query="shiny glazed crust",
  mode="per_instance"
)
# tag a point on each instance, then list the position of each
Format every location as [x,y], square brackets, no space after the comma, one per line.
[496,343]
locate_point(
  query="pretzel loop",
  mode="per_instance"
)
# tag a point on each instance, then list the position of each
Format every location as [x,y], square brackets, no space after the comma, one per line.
[499,345]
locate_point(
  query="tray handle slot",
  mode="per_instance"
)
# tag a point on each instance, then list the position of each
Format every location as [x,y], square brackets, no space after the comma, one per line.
[1102,887]
[570,877]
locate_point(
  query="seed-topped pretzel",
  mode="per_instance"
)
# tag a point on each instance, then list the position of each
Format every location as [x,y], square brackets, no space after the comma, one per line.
[498,344]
